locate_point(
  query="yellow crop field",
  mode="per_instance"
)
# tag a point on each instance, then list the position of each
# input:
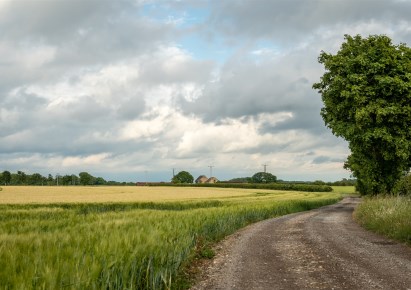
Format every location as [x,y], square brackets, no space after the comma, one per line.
[98,194]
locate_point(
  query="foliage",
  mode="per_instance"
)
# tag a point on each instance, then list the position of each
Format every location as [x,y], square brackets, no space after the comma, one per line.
[86,178]
[263,177]
[183,177]
[240,180]
[18,178]
[271,186]
[403,187]
[319,182]
[390,216]
[366,91]
[6,177]
[124,245]
[344,182]
[21,178]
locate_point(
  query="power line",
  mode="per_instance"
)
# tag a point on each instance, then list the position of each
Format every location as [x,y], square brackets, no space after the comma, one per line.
[211,170]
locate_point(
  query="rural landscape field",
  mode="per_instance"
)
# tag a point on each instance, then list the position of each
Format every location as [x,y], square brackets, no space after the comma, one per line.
[126,237]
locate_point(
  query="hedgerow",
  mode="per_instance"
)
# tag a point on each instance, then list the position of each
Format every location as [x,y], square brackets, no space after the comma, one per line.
[272,186]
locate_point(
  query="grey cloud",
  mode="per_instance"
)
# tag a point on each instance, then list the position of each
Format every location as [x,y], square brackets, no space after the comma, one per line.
[325,159]
[285,21]
[56,21]
[81,33]
[131,108]
[248,89]
[161,70]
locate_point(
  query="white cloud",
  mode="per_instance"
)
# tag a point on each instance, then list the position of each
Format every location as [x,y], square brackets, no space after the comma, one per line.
[94,159]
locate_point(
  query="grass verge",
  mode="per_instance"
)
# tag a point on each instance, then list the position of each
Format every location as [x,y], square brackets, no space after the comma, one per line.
[389,216]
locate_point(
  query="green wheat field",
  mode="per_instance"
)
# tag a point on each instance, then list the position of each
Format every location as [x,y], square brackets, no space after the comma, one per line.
[125,237]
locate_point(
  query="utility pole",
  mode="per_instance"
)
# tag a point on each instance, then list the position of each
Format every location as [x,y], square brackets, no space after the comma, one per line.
[57,177]
[265,168]
[211,170]
[174,172]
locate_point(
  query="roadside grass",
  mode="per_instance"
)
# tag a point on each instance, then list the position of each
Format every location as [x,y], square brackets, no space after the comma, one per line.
[345,190]
[133,244]
[389,216]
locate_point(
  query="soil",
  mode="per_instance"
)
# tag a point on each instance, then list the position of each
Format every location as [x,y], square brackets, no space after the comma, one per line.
[318,249]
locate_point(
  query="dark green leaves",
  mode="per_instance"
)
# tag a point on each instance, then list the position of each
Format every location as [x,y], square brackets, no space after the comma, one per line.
[366,91]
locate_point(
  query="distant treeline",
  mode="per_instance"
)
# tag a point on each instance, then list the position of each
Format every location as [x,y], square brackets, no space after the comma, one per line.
[84,178]
[342,182]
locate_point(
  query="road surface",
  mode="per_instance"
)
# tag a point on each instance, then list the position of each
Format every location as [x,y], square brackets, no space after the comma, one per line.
[318,249]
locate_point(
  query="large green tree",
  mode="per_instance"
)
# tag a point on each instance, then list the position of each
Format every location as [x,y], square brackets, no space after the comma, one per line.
[86,178]
[183,177]
[366,91]
[6,177]
[263,177]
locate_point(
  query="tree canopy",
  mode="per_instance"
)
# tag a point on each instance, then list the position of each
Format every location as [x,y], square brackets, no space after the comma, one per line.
[366,91]
[183,177]
[263,177]
[6,177]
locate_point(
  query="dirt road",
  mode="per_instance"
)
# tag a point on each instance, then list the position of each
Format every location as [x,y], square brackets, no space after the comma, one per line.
[319,249]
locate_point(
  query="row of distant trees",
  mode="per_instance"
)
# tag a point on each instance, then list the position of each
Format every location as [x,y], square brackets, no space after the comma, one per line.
[262,177]
[259,177]
[83,178]
[342,182]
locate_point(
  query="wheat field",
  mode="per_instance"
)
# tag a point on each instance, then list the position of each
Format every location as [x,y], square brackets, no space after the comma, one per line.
[125,237]
[93,194]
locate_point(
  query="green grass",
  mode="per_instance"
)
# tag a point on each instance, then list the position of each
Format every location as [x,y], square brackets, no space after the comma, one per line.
[389,216]
[345,190]
[140,245]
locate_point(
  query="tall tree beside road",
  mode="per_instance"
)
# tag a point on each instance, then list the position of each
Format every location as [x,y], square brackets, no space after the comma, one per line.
[366,91]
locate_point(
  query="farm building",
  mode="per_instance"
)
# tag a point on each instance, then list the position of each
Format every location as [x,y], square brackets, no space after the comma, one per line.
[201,179]
[212,180]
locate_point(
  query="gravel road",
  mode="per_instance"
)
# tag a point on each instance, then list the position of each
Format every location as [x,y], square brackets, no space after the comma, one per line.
[318,249]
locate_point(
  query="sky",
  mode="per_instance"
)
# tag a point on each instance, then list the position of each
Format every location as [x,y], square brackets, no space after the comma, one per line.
[131,89]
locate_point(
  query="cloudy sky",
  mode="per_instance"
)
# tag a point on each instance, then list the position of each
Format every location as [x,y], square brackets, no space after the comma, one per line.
[130,89]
